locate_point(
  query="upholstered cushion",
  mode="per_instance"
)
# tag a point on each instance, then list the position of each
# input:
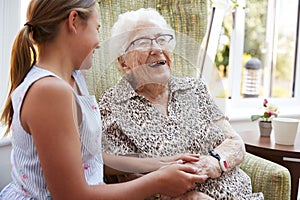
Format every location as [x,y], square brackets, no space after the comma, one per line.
[270,178]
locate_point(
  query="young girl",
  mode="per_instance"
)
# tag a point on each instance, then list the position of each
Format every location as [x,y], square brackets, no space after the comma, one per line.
[56,125]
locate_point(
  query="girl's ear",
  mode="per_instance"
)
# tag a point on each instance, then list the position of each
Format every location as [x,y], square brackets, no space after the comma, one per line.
[73,21]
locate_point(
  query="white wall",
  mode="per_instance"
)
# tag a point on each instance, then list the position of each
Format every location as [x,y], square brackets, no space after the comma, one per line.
[10,24]
[5,166]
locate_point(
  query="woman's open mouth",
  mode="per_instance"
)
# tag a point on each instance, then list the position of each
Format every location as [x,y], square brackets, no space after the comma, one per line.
[157,63]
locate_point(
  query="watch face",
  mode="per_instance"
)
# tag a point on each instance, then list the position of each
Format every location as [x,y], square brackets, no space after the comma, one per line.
[223,165]
[222,162]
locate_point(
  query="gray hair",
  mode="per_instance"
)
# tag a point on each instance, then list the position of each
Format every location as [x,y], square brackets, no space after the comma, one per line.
[128,22]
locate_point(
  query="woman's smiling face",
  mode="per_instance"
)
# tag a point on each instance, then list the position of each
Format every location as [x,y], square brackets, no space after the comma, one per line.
[148,57]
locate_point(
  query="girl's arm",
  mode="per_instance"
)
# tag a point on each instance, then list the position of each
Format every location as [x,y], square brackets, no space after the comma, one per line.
[115,165]
[48,115]
[172,180]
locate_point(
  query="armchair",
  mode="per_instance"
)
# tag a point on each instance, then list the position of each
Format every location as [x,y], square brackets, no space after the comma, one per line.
[270,178]
[189,18]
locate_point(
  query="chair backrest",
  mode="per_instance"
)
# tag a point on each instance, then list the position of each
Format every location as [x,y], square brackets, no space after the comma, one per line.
[186,17]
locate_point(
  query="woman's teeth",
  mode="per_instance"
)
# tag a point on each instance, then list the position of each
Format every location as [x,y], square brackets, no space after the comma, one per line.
[157,63]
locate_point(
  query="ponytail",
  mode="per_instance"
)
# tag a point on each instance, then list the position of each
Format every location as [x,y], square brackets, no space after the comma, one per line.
[23,57]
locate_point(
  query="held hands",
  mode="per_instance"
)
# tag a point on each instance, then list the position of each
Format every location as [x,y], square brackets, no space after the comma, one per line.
[176,179]
[180,159]
[206,165]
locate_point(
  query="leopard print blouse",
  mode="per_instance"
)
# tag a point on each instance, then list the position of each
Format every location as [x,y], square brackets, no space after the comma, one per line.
[132,125]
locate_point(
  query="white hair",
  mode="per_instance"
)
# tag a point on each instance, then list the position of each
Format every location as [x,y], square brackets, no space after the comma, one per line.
[129,21]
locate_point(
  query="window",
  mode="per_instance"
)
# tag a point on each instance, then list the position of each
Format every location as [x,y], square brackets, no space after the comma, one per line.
[270,36]
[263,56]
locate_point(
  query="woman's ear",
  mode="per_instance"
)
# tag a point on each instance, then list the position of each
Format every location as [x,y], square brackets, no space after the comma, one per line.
[122,64]
[73,21]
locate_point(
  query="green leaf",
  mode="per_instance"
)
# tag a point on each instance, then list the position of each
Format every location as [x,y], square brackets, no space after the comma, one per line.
[255,117]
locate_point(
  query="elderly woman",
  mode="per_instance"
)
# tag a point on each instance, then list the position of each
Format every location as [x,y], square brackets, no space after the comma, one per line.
[151,113]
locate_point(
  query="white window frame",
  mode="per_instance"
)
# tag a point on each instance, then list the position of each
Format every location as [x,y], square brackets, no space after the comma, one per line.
[238,108]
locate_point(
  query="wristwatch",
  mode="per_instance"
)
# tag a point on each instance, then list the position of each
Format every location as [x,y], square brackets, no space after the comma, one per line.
[222,161]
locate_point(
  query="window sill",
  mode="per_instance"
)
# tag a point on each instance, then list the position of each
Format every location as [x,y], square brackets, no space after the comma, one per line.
[242,109]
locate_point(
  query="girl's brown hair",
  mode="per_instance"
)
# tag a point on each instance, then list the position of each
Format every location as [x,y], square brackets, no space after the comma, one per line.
[43,20]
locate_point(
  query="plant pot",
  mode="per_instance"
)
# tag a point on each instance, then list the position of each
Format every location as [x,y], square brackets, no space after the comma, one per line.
[265,128]
[285,130]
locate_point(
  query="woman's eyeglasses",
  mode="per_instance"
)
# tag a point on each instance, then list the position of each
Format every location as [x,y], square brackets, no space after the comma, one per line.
[163,42]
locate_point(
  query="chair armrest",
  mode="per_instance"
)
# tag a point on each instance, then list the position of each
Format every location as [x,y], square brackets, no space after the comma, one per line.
[272,179]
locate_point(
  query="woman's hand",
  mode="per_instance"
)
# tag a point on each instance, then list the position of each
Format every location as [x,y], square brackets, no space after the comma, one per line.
[207,165]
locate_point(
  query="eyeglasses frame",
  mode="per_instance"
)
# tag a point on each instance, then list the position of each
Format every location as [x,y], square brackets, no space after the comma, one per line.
[155,38]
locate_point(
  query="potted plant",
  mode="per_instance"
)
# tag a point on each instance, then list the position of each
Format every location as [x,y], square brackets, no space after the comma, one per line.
[265,122]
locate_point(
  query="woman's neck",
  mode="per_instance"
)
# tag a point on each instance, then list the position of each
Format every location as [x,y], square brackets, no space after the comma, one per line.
[153,92]
[158,95]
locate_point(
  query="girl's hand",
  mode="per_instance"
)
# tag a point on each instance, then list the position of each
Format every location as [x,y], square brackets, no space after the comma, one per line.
[180,158]
[177,179]
[193,195]
[131,163]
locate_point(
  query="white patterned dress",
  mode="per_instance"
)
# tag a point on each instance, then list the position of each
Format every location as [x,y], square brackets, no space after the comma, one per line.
[132,125]
[28,181]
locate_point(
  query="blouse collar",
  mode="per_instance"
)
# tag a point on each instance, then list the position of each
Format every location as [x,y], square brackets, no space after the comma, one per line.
[125,91]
